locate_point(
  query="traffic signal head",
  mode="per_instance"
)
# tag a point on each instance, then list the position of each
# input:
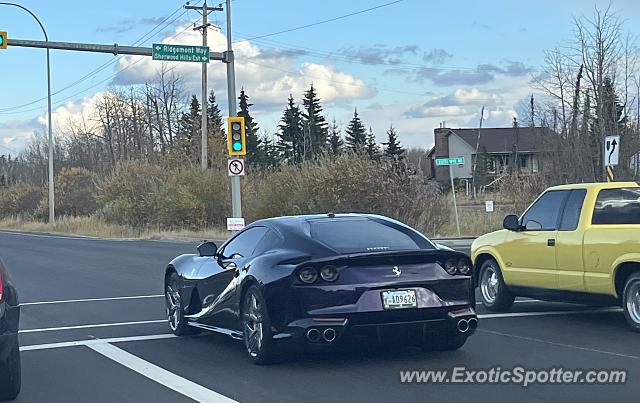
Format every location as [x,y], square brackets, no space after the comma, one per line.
[236,136]
[3,40]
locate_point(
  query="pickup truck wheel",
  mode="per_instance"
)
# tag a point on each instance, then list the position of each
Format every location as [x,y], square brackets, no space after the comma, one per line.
[494,293]
[631,301]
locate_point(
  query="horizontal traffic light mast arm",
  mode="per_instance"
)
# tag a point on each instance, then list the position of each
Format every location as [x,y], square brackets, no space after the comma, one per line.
[93,47]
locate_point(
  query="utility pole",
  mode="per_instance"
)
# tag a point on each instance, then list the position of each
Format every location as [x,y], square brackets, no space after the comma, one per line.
[204,10]
[475,161]
[236,198]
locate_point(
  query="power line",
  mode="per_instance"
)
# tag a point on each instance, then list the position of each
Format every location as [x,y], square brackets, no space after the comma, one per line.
[313,24]
[61,101]
[100,68]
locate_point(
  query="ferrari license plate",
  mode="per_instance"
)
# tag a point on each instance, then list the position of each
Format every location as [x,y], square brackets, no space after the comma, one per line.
[398,299]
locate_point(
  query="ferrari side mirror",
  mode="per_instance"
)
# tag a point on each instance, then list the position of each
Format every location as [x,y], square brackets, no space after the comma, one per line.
[207,248]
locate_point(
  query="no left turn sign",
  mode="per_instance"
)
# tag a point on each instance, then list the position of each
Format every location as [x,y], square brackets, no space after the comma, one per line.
[235,167]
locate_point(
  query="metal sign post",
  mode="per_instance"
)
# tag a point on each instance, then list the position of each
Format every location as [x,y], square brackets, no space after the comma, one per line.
[450,162]
[236,198]
[455,204]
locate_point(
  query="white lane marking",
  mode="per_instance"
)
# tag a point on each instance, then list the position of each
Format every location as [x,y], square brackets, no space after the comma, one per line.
[53,329]
[481,316]
[593,350]
[63,344]
[95,238]
[160,375]
[83,238]
[90,300]
[546,313]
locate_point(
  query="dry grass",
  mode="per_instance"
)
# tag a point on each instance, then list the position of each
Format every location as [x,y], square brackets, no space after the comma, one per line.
[473,222]
[95,227]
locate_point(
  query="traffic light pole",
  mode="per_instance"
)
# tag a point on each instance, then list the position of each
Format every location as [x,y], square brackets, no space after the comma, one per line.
[236,198]
[52,214]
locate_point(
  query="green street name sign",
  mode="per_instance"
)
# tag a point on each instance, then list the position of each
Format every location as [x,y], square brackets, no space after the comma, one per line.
[180,53]
[449,161]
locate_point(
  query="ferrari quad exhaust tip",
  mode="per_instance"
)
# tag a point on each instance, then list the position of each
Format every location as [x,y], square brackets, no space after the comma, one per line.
[473,324]
[329,334]
[463,326]
[313,335]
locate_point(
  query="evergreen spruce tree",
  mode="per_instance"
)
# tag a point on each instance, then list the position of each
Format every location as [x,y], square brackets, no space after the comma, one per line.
[253,141]
[291,140]
[394,150]
[215,124]
[316,128]
[270,152]
[356,137]
[335,139]
[373,150]
[189,130]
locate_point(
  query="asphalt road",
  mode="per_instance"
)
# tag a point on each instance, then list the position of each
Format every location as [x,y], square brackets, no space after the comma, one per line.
[93,330]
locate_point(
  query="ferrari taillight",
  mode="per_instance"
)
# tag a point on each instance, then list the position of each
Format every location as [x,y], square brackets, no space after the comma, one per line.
[1,288]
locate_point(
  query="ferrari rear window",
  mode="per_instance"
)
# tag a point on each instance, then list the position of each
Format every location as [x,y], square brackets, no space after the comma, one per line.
[345,235]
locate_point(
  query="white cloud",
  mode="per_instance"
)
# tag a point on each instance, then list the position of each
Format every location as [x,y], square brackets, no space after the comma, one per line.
[14,135]
[268,77]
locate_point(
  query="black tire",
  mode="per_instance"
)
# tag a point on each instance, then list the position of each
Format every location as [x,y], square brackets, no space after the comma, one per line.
[10,375]
[631,301]
[444,342]
[175,311]
[494,294]
[256,328]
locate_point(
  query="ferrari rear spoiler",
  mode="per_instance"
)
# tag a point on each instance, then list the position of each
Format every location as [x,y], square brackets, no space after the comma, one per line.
[389,257]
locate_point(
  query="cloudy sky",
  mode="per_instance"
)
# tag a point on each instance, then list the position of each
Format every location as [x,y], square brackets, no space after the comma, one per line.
[411,63]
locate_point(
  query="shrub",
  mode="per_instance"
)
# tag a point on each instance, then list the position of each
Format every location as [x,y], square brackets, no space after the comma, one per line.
[521,190]
[348,183]
[75,190]
[21,199]
[193,199]
[127,196]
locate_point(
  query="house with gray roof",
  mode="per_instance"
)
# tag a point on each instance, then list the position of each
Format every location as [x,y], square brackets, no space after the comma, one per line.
[508,149]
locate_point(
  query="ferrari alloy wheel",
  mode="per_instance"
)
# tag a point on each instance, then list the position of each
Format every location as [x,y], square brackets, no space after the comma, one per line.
[631,301]
[256,327]
[494,293]
[10,381]
[175,313]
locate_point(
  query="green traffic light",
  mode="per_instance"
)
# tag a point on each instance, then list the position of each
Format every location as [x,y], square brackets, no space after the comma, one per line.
[237,146]
[1,40]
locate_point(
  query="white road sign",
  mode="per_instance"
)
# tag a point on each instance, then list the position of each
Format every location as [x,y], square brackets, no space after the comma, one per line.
[611,150]
[235,166]
[235,223]
[488,206]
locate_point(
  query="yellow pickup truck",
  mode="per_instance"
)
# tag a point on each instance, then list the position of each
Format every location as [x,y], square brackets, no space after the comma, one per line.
[576,243]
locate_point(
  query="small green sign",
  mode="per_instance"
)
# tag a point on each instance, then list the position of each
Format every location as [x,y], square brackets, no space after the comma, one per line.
[180,53]
[449,161]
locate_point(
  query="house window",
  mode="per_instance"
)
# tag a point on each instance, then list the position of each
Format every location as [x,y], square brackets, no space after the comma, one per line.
[523,161]
[534,163]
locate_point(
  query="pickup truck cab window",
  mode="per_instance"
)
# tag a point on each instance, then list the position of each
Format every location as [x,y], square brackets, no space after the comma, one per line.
[543,214]
[572,210]
[617,206]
